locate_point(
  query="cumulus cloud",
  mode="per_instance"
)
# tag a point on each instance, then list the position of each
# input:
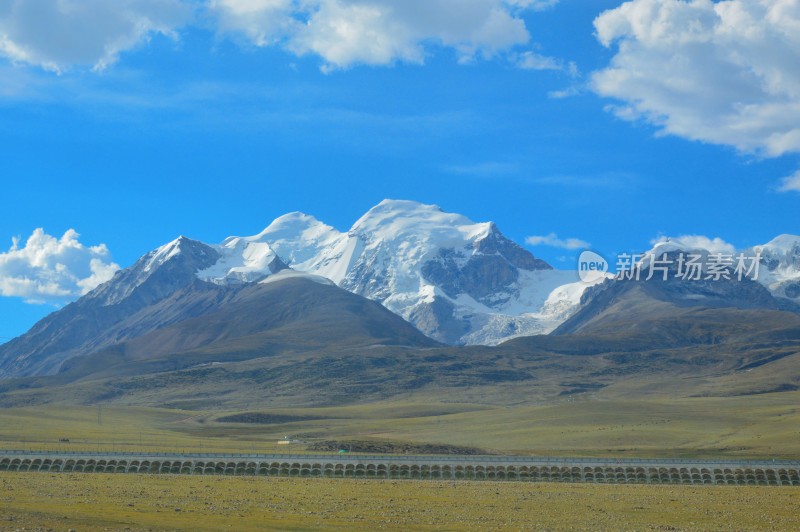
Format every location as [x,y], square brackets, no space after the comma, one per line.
[552,240]
[52,270]
[60,34]
[377,32]
[791,183]
[720,72]
[693,242]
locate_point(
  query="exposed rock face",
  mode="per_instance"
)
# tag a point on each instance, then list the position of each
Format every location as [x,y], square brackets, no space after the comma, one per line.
[792,290]
[494,243]
[436,319]
[488,272]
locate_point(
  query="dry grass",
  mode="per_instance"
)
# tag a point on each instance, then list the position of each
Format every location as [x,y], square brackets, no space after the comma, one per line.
[762,426]
[97,501]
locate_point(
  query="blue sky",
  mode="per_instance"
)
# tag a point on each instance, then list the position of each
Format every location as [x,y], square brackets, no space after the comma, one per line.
[134,121]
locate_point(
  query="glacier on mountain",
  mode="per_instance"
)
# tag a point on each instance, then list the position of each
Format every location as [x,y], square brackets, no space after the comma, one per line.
[458,281]
[780,266]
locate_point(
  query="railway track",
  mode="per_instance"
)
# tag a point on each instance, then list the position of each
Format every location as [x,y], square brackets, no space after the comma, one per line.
[508,468]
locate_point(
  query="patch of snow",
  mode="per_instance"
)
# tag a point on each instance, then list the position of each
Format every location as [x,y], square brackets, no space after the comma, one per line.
[780,265]
[294,274]
[416,228]
[784,244]
[335,261]
[298,239]
[242,260]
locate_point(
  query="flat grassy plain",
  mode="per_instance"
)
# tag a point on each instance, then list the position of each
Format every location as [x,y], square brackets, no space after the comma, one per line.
[137,502]
[761,426]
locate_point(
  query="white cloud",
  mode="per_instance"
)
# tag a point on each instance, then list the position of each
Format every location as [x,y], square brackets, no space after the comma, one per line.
[721,72]
[377,32]
[552,240]
[693,242]
[531,60]
[263,22]
[536,5]
[51,270]
[60,34]
[791,183]
[534,61]
[569,92]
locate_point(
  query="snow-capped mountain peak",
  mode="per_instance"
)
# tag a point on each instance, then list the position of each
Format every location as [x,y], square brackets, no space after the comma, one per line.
[162,254]
[242,260]
[781,255]
[457,280]
[690,243]
[172,264]
[393,220]
[294,239]
[780,266]
[782,244]
[292,226]
[298,238]
[778,269]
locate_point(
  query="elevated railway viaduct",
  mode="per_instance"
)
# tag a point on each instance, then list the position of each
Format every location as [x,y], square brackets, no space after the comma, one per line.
[513,468]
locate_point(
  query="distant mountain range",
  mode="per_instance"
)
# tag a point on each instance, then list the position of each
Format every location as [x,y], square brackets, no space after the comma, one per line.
[406,282]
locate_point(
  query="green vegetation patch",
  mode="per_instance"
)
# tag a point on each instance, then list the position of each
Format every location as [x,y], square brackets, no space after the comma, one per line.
[391,447]
[261,418]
